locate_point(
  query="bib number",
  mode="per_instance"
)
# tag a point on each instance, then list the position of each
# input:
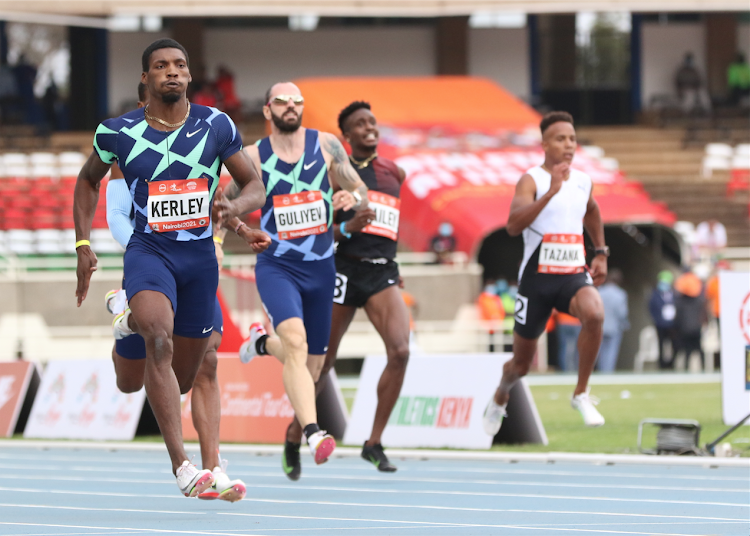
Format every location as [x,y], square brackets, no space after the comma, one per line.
[299,215]
[562,254]
[387,211]
[339,292]
[175,205]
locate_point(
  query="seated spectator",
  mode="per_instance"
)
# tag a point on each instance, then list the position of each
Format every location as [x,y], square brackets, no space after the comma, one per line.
[507,296]
[662,309]
[710,238]
[738,79]
[688,83]
[205,95]
[443,244]
[616,321]
[690,315]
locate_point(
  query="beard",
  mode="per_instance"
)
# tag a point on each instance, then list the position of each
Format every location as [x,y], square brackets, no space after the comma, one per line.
[284,126]
[170,98]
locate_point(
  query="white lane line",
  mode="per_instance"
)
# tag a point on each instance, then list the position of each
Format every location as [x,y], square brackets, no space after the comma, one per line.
[455,525]
[128,529]
[71,533]
[428,492]
[277,474]
[368,469]
[95,509]
[386,505]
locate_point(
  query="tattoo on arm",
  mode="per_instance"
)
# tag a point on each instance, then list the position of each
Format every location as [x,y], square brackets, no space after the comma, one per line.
[347,177]
[232,191]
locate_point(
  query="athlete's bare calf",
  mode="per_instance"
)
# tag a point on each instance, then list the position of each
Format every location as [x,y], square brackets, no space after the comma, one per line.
[587,307]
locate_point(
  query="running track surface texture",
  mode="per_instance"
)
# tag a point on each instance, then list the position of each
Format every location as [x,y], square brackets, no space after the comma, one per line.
[88,489]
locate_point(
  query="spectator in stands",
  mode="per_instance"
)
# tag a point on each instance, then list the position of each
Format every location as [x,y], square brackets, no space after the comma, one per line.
[507,295]
[738,79]
[443,244]
[688,83]
[710,238]
[616,321]
[690,315]
[8,91]
[662,309]
[230,103]
[205,95]
[491,311]
[568,329]
[25,74]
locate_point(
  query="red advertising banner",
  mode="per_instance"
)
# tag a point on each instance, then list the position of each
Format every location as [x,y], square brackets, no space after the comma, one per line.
[254,406]
[14,383]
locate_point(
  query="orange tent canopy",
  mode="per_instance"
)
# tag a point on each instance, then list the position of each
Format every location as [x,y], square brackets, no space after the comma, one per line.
[454,101]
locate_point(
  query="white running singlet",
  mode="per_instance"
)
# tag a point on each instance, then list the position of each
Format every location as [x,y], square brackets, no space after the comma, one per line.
[563,215]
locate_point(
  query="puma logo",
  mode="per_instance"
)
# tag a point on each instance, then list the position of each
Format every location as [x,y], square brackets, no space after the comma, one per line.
[311,164]
[191,134]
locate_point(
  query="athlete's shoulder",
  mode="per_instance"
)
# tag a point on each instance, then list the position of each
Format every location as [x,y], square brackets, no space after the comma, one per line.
[581,176]
[388,165]
[213,116]
[116,124]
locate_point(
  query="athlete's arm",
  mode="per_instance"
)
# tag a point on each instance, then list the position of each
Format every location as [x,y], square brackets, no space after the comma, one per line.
[592,222]
[525,207]
[85,198]
[345,175]
[255,238]
[252,195]
[119,204]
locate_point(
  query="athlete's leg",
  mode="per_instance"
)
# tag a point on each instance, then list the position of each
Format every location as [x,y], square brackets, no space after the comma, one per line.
[290,347]
[587,307]
[340,319]
[523,354]
[206,404]
[387,312]
[129,372]
[152,318]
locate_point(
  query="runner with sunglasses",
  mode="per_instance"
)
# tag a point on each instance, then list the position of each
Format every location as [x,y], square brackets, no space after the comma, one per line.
[552,205]
[296,275]
[367,276]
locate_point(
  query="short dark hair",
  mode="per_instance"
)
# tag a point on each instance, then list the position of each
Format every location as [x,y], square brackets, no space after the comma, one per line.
[555,117]
[142,91]
[159,44]
[349,110]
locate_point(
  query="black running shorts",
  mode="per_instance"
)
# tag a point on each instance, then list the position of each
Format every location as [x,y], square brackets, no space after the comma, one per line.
[358,280]
[539,293]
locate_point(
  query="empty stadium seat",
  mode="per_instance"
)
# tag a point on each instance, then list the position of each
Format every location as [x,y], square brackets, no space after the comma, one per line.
[742,149]
[593,151]
[719,149]
[609,163]
[712,163]
[49,241]
[103,242]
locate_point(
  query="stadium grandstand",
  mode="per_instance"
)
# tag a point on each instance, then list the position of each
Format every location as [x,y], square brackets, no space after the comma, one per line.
[660,94]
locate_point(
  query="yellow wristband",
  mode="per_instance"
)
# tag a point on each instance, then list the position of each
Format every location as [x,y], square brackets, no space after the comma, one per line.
[82,243]
[219,240]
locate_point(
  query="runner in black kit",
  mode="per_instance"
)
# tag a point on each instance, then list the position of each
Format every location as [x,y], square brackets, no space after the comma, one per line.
[368,277]
[552,205]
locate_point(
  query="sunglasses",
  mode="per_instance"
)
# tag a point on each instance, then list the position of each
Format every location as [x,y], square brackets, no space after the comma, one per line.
[283,99]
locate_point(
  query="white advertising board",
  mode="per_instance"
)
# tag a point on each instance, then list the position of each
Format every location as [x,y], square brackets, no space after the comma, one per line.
[734,290]
[80,400]
[441,402]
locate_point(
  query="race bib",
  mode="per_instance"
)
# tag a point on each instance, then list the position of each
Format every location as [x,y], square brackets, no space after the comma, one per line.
[668,312]
[301,214]
[562,254]
[180,204]
[386,209]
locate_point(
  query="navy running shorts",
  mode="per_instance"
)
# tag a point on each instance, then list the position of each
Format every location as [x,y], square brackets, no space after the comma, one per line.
[134,347]
[185,272]
[299,289]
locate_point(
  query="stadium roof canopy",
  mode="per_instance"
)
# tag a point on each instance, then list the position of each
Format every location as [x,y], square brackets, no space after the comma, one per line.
[37,9]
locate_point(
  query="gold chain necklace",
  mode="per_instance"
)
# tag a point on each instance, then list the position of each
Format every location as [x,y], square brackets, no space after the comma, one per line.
[161,121]
[361,164]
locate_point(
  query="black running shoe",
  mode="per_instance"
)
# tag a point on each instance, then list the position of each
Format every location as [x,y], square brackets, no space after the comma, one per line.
[290,460]
[377,457]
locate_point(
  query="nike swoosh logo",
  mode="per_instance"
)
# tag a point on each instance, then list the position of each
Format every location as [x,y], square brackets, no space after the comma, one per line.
[308,166]
[391,281]
[206,330]
[190,135]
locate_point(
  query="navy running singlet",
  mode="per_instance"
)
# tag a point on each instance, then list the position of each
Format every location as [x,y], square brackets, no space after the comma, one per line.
[172,176]
[297,215]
